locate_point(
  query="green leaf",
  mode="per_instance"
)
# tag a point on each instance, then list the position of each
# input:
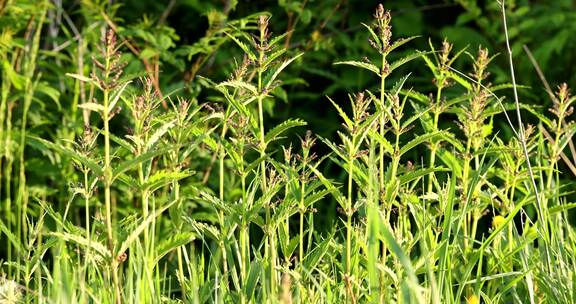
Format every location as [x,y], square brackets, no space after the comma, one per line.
[418,140]
[89,163]
[274,134]
[140,228]
[129,164]
[253,278]
[116,97]
[172,242]
[11,237]
[415,174]
[92,106]
[364,65]
[398,43]
[158,134]
[375,37]
[237,84]
[243,46]
[51,92]
[83,79]
[312,259]
[562,208]
[400,62]
[94,245]
[279,69]
[347,120]
[162,178]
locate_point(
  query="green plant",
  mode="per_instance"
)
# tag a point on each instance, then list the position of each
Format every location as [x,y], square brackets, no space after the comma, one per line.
[128,178]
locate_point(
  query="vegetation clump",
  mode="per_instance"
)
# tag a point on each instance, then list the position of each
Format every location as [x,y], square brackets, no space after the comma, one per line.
[122,182]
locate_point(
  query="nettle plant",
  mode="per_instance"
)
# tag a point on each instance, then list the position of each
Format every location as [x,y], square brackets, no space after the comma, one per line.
[175,200]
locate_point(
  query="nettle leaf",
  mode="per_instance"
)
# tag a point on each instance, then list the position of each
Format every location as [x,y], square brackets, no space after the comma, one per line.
[539,115]
[400,42]
[272,57]
[342,114]
[375,37]
[422,98]
[562,208]
[253,278]
[312,259]
[416,174]
[418,140]
[280,69]
[274,133]
[16,79]
[162,178]
[131,163]
[158,134]
[12,238]
[93,244]
[400,62]
[117,96]
[278,38]
[463,82]
[364,65]
[243,46]
[287,244]
[382,141]
[241,85]
[140,228]
[92,106]
[173,242]
[335,191]
[84,79]
[81,159]
[49,91]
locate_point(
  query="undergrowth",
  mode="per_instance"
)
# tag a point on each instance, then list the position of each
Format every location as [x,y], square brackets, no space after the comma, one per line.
[156,197]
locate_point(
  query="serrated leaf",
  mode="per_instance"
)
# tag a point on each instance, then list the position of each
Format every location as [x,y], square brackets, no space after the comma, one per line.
[243,46]
[158,134]
[400,42]
[272,57]
[539,115]
[92,106]
[342,114]
[398,63]
[280,69]
[382,141]
[129,164]
[140,228]
[11,237]
[275,132]
[50,92]
[330,186]
[312,259]
[83,79]
[92,165]
[463,82]
[172,242]
[415,174]
[364,65]
[84,242]
[117,96]
[237,84]
[162,178]
[375,37]
[418,140]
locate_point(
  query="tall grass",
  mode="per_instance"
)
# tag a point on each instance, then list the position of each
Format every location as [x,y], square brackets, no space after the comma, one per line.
[155,198]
